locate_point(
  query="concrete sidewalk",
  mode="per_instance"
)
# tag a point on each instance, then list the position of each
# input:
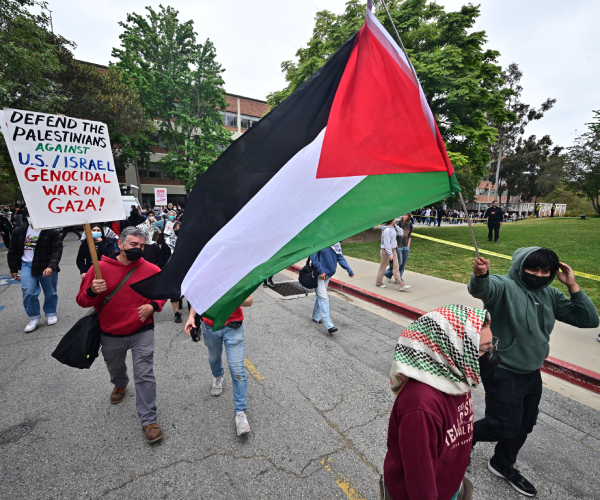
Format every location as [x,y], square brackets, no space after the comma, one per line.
[570,344]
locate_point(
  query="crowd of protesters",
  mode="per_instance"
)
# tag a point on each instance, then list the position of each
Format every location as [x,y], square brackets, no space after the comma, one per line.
[437,361]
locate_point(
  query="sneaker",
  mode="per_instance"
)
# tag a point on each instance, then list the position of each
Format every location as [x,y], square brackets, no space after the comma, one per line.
[32,325]
[217,386]
[265,284]
[333,329]
[381,286]
[271,282]
[52,320]
[319,321]
[177,317]
[404,286]
[153,432]
[241,423]
[598,337]
[515,479]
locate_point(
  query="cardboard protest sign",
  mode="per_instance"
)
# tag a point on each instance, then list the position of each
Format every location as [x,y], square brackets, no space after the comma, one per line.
[160,196]
[65,168]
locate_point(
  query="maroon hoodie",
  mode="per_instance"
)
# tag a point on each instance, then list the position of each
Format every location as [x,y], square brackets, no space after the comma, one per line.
[429,443]
[120,316]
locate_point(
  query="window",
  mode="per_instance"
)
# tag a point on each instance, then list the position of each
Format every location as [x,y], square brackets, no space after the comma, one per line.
[248,121]
[229,119]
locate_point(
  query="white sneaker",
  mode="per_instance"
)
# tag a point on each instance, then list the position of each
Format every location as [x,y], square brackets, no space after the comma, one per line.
[381,286]
[217,386]
[404,286]
[52,320]
[32,325]
[241,423]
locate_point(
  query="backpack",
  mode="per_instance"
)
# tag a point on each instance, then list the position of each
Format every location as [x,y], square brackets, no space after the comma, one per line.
[309,276]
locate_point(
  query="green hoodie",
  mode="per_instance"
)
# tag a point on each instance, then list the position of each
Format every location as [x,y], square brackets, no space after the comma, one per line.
[523,318]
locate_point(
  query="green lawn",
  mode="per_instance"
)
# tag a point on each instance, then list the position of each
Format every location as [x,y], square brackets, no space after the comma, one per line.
[576,242]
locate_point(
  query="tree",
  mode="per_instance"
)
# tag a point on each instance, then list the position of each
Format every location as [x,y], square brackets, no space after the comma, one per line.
[461,81]
[181,87]
[510,132]
[582,172]
[533,169]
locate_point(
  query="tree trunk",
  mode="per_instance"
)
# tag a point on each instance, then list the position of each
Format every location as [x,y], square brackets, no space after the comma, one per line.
[498,163]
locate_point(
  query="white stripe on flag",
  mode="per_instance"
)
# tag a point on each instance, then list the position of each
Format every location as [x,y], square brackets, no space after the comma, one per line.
[289,202]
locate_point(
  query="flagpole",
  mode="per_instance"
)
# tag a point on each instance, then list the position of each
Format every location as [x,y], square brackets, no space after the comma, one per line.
[462,201]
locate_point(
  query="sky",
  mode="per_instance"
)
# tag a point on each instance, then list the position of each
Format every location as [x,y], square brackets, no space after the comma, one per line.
[555,43]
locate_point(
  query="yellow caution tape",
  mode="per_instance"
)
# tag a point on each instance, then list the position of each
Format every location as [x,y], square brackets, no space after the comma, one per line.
[487,252]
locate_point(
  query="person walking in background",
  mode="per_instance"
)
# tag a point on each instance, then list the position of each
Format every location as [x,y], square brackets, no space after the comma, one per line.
[403,239]
[387,251]
[127,323]
[326,262]
[428,216]
[440,214]
[37,253]
[6,226]
[104,246]
[151,251]
[437,361]
[494,216]
[69,229]
[232,337]
[553,209]
[524,308]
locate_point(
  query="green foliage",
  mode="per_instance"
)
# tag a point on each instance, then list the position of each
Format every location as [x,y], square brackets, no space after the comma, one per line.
[582,172]
[576,242]
[461,80]
[181,87]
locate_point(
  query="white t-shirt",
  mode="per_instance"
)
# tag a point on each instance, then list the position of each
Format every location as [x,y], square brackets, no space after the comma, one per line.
[30,243]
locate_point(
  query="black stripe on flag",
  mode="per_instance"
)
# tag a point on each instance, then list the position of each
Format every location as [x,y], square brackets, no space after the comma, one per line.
[245,167]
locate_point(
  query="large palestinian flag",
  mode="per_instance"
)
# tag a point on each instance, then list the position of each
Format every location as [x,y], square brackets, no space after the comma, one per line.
[355,145]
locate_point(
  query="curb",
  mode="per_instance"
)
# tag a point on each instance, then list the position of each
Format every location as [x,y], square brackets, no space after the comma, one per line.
[573,374]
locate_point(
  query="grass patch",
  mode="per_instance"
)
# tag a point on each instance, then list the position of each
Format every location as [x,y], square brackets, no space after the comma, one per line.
[575,241]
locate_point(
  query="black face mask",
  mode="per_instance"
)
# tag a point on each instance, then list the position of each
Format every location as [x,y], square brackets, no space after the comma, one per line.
[536,282]
[176,232]
[487,363]
[133,253]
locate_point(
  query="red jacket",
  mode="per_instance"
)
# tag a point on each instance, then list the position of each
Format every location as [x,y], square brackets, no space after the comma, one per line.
[429,443]
[120,316]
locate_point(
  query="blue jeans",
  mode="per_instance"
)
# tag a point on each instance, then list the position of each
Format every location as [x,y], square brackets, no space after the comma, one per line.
[235,349]
[30,286]
[402,258]
[321,304]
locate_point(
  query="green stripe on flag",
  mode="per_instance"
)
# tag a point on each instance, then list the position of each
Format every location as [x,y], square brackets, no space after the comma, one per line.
[376,199]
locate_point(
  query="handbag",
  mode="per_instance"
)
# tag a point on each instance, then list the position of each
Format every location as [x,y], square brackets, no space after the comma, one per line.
[81,344]
[309,276]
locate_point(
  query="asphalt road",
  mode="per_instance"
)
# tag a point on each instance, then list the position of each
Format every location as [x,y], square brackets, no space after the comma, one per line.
[318,407]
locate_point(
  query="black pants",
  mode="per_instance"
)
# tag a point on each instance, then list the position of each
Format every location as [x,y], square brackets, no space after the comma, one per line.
[495,227]
[512,403]
[6,238]
[70,229]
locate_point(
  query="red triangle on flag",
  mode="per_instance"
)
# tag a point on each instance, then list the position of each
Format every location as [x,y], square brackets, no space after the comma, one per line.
[376,124]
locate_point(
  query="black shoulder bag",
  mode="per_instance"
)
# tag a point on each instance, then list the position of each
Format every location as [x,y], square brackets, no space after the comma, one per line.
[309,276]
[81,344]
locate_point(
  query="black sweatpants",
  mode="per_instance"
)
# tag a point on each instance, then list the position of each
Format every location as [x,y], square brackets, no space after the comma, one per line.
[495,227]
[512,403]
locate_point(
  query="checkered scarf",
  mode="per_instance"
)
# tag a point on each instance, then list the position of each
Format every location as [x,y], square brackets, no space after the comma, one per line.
[440,349]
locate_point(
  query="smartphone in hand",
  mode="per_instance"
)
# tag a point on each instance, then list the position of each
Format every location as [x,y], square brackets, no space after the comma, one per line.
[195,334]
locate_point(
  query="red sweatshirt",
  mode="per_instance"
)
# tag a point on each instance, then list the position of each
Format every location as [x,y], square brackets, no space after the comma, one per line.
[429,443]
[120,316]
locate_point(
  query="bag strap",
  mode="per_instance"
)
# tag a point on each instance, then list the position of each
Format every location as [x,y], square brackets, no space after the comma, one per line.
[119,286]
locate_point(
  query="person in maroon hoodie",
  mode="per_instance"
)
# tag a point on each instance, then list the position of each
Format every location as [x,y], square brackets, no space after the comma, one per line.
[438,360]
[127,323]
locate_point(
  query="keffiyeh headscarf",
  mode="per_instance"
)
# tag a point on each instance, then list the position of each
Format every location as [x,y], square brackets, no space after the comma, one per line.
[440,349]
[337,248]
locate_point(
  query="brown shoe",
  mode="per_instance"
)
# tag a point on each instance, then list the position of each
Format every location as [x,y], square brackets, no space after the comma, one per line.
[153,432]
[117,395]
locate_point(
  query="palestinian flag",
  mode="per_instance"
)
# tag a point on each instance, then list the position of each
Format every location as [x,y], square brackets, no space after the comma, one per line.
[355,145]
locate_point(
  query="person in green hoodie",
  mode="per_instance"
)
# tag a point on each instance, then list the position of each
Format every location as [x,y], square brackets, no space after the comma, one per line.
[523,308]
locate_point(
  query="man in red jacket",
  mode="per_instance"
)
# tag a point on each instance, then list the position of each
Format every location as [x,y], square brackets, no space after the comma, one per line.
[438,360]
[127,322]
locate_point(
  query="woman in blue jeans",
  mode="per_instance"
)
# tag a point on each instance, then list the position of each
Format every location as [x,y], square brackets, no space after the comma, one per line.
[232,337]
[403,248]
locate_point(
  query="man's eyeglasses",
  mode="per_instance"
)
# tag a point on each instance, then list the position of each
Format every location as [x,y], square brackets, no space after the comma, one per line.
[490,350]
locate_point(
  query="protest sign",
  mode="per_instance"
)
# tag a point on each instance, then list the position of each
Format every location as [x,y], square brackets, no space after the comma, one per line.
[65,168]
[160,196]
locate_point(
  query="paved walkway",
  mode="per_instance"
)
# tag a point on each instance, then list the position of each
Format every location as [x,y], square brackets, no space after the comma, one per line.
[567,343]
